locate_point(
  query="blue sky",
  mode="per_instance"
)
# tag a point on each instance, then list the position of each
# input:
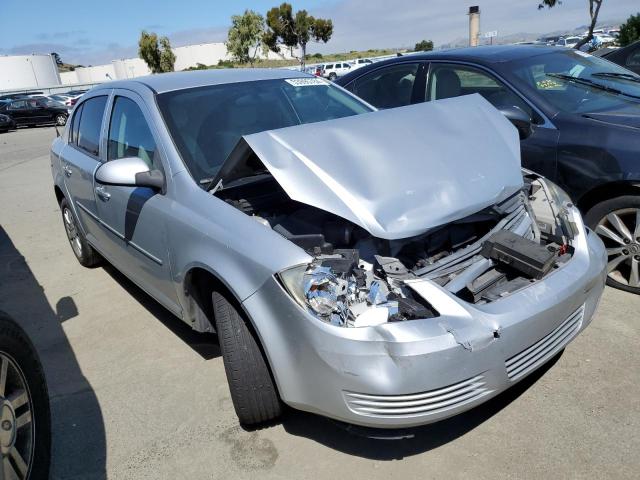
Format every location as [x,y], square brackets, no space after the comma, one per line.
[87,32]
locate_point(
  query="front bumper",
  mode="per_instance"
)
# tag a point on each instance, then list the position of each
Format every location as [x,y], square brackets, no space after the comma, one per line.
[421,371]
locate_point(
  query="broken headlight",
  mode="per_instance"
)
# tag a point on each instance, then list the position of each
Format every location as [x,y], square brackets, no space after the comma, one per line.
[349,297]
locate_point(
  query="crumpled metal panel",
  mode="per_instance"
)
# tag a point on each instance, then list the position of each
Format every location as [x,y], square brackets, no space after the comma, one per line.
[400,172]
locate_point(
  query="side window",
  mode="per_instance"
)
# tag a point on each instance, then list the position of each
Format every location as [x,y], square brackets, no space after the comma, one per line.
[633,60]
[17,105]
[388,87]
[447,81]
[73,133]
[88,138]
[129,133]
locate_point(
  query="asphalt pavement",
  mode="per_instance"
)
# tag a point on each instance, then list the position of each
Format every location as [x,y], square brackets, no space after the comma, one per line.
[135,394]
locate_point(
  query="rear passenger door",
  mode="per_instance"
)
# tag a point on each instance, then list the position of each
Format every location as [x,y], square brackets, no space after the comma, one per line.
[79,159]
[134,217]
[18,111]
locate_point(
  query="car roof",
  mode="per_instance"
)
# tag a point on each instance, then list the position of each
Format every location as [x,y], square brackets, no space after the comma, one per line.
[488,53]
[166,82]
[483,55]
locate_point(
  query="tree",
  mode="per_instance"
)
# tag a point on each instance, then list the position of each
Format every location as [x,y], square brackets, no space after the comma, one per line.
[56,58]
[294,30]
[423,46]
[594,10]
[630,30]
[157,55]
[245,36]
[167,57]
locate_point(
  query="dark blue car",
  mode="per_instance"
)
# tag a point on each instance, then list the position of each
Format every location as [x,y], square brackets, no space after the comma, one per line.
[578,118]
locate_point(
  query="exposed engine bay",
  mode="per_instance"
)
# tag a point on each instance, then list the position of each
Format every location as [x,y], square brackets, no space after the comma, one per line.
[358,280]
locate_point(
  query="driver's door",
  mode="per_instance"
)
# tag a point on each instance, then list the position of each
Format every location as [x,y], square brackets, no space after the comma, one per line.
[134,217]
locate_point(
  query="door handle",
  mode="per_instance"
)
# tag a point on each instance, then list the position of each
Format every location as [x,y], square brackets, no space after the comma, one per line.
[67,170]
[103,194]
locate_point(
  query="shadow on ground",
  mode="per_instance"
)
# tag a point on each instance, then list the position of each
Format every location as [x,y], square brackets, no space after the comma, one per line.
[78,443]
[354,441]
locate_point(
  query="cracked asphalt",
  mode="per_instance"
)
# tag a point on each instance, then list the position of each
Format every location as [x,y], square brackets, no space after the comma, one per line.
[136,394]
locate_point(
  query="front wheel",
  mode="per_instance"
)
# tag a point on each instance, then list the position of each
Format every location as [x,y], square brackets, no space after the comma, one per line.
[332,76]
[61,120]
[617,222]
[253,391]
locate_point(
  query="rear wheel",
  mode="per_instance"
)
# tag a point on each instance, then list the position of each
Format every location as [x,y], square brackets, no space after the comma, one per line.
[617,222]
[85,254]
[61,120]
[253,391]
[332,76]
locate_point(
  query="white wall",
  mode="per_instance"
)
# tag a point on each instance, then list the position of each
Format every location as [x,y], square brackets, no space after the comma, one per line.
[28,71]
[69,78]
[130,68]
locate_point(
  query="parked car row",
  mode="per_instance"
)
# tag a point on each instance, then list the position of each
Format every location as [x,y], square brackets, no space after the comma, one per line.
[387,268]
[35,108]
[337,69]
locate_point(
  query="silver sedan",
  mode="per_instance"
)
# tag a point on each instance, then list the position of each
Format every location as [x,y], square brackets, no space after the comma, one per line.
[384,268]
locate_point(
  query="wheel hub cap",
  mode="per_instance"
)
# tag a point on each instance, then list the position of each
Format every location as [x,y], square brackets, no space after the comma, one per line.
[620,232]
[7,426]
[17,427]
[72,232]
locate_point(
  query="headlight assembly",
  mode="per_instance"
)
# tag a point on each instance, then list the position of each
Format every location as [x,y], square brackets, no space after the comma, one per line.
[352,296]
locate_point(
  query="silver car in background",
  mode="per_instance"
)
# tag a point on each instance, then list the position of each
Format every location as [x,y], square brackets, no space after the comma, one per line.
[384,268]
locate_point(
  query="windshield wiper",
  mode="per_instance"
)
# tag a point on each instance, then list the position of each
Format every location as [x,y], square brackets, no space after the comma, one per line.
[590,83]
[625,76]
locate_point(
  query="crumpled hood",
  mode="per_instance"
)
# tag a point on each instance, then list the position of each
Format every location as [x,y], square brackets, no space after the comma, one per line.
[398,173]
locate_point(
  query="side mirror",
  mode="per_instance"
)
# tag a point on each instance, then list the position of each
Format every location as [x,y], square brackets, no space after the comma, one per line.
[520,120]
[129,172]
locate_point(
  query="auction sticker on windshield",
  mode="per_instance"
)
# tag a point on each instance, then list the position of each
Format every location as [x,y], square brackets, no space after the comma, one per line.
[305,82]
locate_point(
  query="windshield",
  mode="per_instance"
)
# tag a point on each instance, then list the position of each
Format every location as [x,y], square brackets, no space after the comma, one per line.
[576,82]
[207,122]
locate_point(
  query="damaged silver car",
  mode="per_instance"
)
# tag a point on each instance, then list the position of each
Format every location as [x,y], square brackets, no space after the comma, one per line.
[384,268]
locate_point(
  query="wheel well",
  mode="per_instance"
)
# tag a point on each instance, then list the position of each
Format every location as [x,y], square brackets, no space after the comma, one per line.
[606,192]
[199,286]
[59,194]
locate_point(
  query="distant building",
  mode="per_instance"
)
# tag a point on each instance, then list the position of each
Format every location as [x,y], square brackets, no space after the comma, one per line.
[28,71]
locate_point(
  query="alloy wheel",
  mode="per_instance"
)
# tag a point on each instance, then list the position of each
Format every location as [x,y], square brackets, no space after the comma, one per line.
[72,232]
[620,232]
[61,120]
[17,425]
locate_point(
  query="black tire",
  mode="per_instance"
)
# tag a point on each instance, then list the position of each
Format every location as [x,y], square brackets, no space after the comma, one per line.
[333,76]
[253,391]
[84,252]
[16,346]
[61,120]
[599,213]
